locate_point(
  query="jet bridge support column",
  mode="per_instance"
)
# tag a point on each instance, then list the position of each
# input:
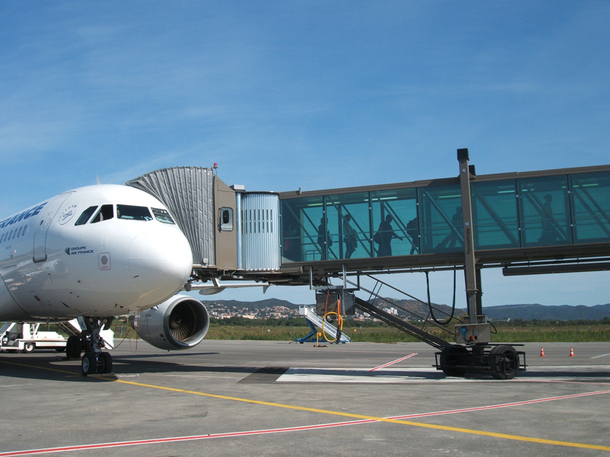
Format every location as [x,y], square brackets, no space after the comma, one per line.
[469,257]
[474,352]
[477,331]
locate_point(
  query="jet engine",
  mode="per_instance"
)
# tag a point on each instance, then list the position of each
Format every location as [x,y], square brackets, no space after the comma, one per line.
[178,323]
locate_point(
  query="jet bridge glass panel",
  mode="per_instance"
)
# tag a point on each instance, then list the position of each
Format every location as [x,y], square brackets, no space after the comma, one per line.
[591,207]
[495,214]
[441,214]
[349,225]
[545,211]
[304,232]
[391,212]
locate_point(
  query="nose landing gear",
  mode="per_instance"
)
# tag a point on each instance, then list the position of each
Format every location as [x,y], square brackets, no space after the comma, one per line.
[94,360]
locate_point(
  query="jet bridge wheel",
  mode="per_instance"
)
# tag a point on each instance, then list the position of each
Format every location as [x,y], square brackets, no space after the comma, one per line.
[503,361]
[450,357]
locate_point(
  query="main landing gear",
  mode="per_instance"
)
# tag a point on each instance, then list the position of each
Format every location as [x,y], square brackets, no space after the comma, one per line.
[94,360]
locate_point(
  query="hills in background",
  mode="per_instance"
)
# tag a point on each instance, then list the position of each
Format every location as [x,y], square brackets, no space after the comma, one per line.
[542,312]
[523,311]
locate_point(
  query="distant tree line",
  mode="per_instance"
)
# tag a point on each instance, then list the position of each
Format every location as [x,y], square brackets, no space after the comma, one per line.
[286,322]
[350,323]
[550,322]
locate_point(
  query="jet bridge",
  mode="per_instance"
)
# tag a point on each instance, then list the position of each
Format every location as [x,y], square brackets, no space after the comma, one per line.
[525,223]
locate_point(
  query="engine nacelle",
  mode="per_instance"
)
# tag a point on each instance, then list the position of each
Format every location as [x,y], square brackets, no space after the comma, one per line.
[178,323]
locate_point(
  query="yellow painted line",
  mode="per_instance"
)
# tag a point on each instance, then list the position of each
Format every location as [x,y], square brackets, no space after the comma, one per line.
[339,413]
[379,419]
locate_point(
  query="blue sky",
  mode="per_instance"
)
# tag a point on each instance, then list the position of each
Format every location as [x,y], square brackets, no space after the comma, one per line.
[310,94]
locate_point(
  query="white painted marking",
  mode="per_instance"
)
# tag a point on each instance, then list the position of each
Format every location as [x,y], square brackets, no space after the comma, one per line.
[600,373]
[600,356]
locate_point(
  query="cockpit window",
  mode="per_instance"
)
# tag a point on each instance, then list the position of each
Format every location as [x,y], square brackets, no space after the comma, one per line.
[162,216]
[133,213]
[82,220]
[106,212]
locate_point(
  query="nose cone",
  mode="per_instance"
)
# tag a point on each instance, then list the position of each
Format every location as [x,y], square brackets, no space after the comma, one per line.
[160,264]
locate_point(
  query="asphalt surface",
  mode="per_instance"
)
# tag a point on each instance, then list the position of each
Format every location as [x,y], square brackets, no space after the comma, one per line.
[278,398]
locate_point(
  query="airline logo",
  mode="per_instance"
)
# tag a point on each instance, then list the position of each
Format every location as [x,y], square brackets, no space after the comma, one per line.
[77,250]
[23,216]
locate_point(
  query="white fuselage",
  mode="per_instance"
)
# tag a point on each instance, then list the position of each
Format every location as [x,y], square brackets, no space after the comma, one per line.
[96,251]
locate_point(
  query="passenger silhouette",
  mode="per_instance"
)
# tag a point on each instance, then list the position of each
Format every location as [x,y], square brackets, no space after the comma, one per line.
[349,236]
[452,238]
[323,238]
[549,232]
[383,237]
[413,232]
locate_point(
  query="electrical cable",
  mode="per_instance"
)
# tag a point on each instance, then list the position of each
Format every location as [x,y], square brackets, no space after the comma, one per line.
[430,302]
[495,330]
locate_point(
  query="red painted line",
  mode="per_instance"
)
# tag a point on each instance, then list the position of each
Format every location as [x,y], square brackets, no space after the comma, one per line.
[394,361]
[502,405]
[173,439]
[288,429]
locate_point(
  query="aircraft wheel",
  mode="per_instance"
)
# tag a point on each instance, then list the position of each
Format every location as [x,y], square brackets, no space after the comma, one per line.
[104,363]
[28,347]
[73,347]
[89,363]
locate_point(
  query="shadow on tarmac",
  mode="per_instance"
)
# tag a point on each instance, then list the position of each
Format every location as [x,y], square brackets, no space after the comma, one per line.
[54,366]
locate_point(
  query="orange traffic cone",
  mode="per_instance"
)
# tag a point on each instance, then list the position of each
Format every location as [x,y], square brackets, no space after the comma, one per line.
[541,352]
[571,351]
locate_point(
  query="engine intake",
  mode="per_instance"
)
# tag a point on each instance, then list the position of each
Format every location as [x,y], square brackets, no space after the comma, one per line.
[178,323]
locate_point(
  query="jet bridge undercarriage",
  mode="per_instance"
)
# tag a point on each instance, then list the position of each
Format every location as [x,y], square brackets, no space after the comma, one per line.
[433,325]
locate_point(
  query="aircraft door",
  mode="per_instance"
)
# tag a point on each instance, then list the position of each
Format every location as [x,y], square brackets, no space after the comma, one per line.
[46,217]
[11,311]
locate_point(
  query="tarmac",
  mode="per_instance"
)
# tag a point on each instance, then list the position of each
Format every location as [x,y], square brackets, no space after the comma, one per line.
[267,398]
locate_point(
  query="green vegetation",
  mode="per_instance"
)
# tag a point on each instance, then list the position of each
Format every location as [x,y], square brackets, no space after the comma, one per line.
[517,331]
[289,329]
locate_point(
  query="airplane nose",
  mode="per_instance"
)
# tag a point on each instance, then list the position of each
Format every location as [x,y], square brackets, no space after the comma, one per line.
[160,264]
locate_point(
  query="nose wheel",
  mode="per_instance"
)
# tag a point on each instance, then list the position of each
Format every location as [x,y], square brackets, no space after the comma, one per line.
[95,361]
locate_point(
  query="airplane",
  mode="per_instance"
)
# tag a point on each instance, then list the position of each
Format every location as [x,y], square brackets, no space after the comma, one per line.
[95,253]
